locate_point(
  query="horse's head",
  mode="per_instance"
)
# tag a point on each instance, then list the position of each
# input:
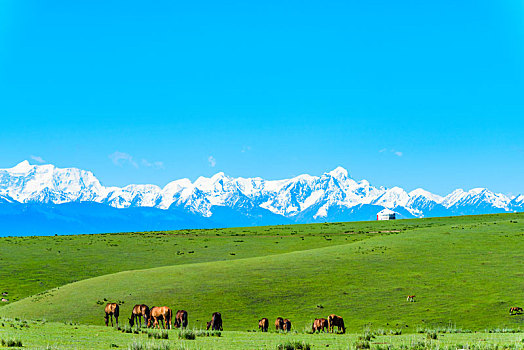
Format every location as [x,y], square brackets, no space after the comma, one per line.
[208,325]
[132,321]
[106,319]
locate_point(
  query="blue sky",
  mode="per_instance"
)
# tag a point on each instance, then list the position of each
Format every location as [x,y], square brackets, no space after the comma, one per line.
[408,93]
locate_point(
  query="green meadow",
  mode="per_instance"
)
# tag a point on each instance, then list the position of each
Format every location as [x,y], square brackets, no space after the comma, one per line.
[465,272]
[51,335]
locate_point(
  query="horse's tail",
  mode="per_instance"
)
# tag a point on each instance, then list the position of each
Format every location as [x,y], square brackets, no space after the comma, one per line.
[117,310]
[169,317]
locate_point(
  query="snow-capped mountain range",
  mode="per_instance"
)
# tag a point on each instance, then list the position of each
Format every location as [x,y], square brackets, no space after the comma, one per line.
[227,201]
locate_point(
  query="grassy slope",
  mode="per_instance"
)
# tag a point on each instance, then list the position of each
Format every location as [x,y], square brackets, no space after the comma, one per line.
[464,270]
[30,265]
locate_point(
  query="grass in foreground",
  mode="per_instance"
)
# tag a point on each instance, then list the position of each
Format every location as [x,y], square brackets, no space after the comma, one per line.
[47,335]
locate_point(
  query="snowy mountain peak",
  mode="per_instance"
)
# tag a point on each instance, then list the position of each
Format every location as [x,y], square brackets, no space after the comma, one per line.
[20,168]
[218,176]
[477,190]
[419,192]
[303,197]
[339,173]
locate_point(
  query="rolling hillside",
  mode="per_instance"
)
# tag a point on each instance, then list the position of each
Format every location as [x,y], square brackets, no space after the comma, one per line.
[467,271]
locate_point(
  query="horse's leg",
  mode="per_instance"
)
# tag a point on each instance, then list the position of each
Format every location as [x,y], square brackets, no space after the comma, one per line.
[111,320]
[116,318]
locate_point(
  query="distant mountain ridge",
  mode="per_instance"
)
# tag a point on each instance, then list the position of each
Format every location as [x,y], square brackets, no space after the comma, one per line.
[220,201]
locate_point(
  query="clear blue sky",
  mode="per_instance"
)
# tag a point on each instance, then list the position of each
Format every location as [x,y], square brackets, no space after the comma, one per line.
[409,93]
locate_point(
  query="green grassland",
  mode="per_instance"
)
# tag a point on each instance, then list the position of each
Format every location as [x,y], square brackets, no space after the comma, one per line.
[49,335]
[34,264]
[466,272]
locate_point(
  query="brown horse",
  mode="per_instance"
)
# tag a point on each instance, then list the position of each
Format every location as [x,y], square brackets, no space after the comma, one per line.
[138,312]
[515,310]
[111,309]
[162,313]
[287,325]
[320,324]
[279,324]
[411,298]
[216,322]
[334,320]
[181,319]
[263,324]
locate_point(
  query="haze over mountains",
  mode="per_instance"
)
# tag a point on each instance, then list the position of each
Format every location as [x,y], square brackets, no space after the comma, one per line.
[44,199]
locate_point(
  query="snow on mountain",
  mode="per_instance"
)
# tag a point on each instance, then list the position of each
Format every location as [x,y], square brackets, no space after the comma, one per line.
[46,183]
[133,195]
[393,197]
[476,197]
[518,200]
[421,193]
[302,195]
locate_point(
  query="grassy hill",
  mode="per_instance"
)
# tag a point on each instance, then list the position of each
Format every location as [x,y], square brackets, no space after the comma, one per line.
[466,271]
[30,265]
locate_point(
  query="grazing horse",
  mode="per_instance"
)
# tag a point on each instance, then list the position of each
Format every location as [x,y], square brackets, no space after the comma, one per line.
[111,309]
[181,319]
[216,322]
[162,313]
[320,324]
[279,324]
[334,320]
[515,310]
[411,298]
[263,324]
[287,325]
[138,312]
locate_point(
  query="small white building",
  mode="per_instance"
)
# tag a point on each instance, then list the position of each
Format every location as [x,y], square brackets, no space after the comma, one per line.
[386,214]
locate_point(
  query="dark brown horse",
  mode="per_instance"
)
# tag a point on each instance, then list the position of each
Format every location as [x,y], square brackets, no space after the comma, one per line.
[216,322]
[287,325]
[181,319]
[111,309]
[162,313]
[336,321]
[138,312]
[263,324]
[320,324]
[515,310]
[279,324]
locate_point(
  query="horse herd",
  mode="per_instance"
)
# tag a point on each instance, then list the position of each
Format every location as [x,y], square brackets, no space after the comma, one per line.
[154,316]
[163,314]
[320,324]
